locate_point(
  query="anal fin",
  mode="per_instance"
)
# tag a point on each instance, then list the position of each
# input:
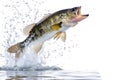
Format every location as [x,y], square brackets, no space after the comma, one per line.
[17,55]
[37,47]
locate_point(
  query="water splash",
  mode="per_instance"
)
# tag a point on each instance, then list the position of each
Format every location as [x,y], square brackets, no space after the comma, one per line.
[13,24]
[14,16]
[22,13]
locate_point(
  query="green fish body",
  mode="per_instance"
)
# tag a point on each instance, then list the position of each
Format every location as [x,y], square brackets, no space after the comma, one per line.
[53,26]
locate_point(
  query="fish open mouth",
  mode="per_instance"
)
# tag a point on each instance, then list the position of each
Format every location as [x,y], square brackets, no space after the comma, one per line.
[78,12]
[78,16]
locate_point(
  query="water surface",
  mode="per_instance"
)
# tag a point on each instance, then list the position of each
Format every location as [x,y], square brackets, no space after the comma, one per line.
[50,73]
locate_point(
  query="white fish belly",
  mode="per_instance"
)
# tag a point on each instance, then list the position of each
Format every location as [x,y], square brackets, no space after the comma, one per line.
[49,35]
[43,38]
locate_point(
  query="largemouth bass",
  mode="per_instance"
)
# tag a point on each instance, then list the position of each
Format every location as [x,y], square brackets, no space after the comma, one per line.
[53,26]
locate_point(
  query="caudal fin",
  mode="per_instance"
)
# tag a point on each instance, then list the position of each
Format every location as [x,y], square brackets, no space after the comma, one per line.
[15,49]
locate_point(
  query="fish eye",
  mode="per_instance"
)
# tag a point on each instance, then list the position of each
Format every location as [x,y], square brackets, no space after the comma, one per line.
[74,9]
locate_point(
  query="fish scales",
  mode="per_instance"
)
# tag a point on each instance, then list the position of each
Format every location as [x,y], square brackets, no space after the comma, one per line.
[53,26]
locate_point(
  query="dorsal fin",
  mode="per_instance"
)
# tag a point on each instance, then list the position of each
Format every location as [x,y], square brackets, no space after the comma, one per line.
[27,29]
[44,17]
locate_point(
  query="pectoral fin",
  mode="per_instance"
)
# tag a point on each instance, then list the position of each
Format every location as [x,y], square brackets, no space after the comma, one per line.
[27,29]
[37,47]
[57,35]
[56,27]
[61,35]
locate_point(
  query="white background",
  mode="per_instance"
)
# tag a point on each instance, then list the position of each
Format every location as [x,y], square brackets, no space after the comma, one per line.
[99,37]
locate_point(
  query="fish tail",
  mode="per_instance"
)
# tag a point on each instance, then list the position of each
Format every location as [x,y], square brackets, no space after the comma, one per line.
[16,49]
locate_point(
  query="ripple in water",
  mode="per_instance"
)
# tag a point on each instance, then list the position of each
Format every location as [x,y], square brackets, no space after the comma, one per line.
[32,66]
[49,75]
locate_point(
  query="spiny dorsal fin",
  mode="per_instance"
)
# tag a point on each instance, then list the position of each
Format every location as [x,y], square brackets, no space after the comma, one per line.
[44,17]
[27,29]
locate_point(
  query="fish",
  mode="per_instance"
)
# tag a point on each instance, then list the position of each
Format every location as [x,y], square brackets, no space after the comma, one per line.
[53,26]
